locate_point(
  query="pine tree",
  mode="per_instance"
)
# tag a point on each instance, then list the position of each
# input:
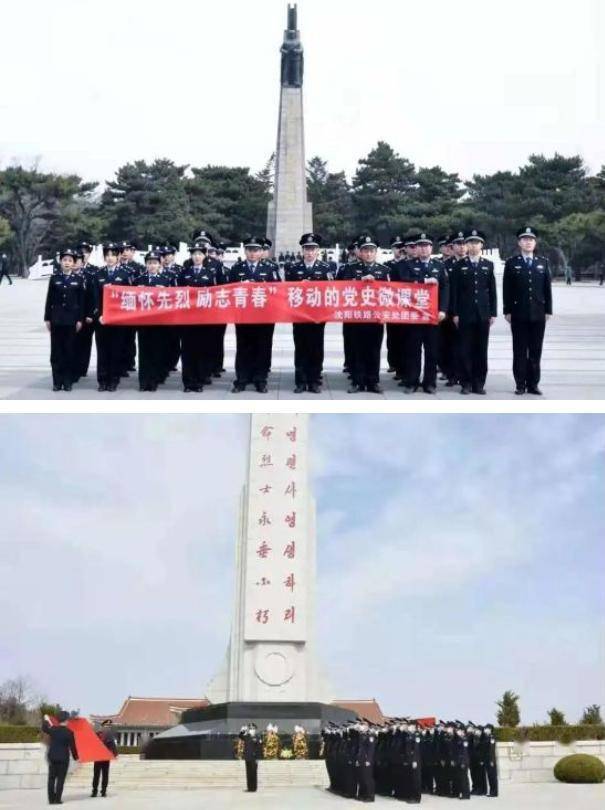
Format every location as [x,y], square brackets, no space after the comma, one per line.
[508,714]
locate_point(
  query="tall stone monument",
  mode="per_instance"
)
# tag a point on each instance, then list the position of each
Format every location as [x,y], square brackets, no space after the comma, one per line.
[271,654]
[289,214]
[270,672]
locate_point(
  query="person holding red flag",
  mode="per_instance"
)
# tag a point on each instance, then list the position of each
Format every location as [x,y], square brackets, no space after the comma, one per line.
[101,769]
[61,744]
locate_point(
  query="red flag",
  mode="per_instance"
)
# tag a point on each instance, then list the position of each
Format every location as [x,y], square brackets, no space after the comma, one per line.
[89,747]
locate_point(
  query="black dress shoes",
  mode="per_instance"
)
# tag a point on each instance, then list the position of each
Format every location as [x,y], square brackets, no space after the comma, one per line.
[535,391]
[300,389]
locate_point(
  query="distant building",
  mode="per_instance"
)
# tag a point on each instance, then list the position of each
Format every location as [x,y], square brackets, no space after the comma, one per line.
[142,717]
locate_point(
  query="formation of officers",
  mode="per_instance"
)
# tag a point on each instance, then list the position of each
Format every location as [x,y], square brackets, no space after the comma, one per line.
[403,760]
[457,346]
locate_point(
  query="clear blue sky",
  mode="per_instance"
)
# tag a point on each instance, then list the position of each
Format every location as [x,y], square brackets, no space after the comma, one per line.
[458,556]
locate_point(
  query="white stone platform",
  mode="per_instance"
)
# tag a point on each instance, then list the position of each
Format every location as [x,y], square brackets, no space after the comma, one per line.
[573,362]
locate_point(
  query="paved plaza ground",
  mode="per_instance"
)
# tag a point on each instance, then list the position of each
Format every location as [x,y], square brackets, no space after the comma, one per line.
[573,362]
[514,797]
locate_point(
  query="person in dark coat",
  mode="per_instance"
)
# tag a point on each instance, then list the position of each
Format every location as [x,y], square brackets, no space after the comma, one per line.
[308,337]
[101,769]
[366,338]
[4,268]
[62,743]
[488,757]
[474,306]
[527,294]
[152,339]
[253,341]
[63,316]
[109,339]
[199,346]
[252,753]
[424,270]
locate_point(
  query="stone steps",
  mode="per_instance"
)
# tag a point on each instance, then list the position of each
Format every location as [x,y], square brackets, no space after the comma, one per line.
[130,773]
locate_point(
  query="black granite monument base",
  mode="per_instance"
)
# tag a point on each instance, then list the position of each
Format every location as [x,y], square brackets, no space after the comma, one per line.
[210,732]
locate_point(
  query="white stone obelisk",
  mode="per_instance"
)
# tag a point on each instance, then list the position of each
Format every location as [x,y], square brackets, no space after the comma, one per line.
[271,654]
[289,213]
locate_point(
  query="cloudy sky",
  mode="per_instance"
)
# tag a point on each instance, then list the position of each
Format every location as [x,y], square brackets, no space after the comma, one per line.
[458,556]
[471,85]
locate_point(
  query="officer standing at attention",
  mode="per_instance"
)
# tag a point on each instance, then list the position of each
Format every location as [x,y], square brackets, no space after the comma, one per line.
[366,754]
[101,769]
[447,330]
[366,337]
[252,752]
[62,743]
[527,306]
[153,351]
[474,305]
[198,342]
[395,332]
[308,337]
[85,335]
[253,341]
[127,260]
[461,755]
[347,333]
[109,339]
[172,334]
[487,747]
[63,316]
[424,270]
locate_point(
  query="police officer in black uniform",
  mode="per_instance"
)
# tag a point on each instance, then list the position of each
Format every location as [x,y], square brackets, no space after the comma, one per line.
[474,306]
[253,750]
[527,297]
[461,764]
[347,328]
[447,329]
[395,331]
[365,762]
[488,757]
[153,357]
[109,339]
[424,270]
[308,337]
[64,314]
[172,333]
[198,342]
[214,263]
[366,337]
[86,333]
[253,341]
[127,260]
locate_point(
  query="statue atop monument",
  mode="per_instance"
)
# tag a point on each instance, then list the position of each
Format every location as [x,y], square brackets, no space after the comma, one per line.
[292,58]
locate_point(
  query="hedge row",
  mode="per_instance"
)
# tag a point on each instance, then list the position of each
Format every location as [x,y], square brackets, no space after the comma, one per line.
[19,734]
[562,734]
[129,749]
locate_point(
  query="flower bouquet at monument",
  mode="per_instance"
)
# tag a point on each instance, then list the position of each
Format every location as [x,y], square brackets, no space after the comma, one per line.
[271,742]
[299,743]
[286,753]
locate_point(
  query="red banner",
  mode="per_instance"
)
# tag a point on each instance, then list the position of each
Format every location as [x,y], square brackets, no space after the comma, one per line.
[286,302]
